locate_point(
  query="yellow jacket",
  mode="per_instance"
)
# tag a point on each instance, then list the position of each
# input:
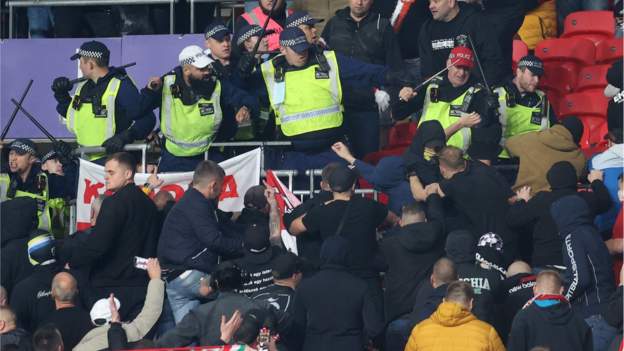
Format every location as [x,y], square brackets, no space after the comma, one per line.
[539,24]
[450,328]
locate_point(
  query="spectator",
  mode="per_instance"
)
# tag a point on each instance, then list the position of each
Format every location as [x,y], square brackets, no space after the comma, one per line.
[257,259]
[453,327]
[535,211]
[538,151]
[71,320]
[80,21]
[461,248]
[460,104]
[30,299]
[480,195]
[357,32]
[410,252]
[523,107]
[430,296]
[540,22]
[356,219]
[588,277]
[420,161]
[452,18]
[202,323]
[10,334]
[309,243]
[259,15]
[279,297]
[613,313]
[192,239]
[96,339]
[40,22]
[334,307]
[19,220]
[388,176]
[516,290]
[406,19]
[256,210]
[615,245]
[548,320]
[48,338]
[127,227]
[85,114]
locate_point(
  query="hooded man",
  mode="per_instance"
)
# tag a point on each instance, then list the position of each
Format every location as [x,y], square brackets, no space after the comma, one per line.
[539,150]
[588,275]
[420,161]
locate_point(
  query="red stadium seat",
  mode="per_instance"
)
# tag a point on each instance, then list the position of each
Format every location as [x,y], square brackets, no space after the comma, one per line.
[594,130]
[570,53]
[401,134]
[558,78]
[588,104]
[520,49]
[609,51]
[592,78]
[593,25]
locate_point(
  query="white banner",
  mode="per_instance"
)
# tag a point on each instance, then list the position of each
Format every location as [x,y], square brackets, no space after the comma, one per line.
[241,173]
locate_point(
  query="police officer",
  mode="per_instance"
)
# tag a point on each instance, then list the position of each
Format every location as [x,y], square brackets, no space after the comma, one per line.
[103,111]
[307,23]
[460,104]
[304,88]
[523,107]
[191,99]
[218,43]
[25,178]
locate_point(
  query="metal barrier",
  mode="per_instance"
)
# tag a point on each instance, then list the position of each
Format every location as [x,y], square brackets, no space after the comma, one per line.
[82,151]
[25,3]
[261,144]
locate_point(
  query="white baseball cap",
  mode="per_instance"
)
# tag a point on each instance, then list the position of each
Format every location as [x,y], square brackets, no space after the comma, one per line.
[101,313]
[194,55]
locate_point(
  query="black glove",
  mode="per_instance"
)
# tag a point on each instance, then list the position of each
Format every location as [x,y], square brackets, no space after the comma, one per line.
[246,64]
[61,87]
[64,151]
[117,142]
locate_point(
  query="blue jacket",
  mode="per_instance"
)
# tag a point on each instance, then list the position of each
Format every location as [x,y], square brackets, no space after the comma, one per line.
[588,275]
[193,238]
[610,162]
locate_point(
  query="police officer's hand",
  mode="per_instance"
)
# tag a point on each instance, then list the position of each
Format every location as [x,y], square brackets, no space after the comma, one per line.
[61,85]
[246,64]
[117,142]
[407,93]
[470,120]
[243,115]
[154,83]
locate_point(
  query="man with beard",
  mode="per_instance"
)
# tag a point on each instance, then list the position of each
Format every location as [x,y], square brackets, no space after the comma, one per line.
[190,98]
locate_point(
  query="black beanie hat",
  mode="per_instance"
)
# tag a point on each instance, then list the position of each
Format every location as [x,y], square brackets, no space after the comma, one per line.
[561,175]
[574,126]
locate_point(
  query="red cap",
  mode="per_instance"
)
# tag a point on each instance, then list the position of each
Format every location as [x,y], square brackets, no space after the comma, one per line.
[462,56]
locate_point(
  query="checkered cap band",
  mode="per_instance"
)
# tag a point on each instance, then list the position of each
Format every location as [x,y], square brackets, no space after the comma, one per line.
[191,60]
[216,29]
[531,63]
[293,42]
[254,30]
[299,21]
[492,240]
[91,54]
[50,155]
[18,145]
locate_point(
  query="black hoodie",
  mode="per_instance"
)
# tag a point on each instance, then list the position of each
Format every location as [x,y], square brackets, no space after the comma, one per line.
[588,275]
[427,170]
[436,39]
[555,327]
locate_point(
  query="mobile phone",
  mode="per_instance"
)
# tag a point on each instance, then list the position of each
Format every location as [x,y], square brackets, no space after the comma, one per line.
[140,263]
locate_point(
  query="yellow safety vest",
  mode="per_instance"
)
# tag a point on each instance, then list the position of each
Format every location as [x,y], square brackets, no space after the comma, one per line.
[91,129]
[448,113]
[43,206]
[306,100]
[520,119]
[189,129]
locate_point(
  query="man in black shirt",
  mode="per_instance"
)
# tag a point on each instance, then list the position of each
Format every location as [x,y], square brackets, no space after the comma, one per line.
[516,290]
[356,219]
[127,226]
[480,195]
[72,321]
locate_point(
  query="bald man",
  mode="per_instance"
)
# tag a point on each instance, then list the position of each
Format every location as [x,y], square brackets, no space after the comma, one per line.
[10,334]
[71,320]
[549,321]
[517,289]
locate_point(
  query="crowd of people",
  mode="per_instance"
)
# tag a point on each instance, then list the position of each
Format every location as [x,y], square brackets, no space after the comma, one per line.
[462,253]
